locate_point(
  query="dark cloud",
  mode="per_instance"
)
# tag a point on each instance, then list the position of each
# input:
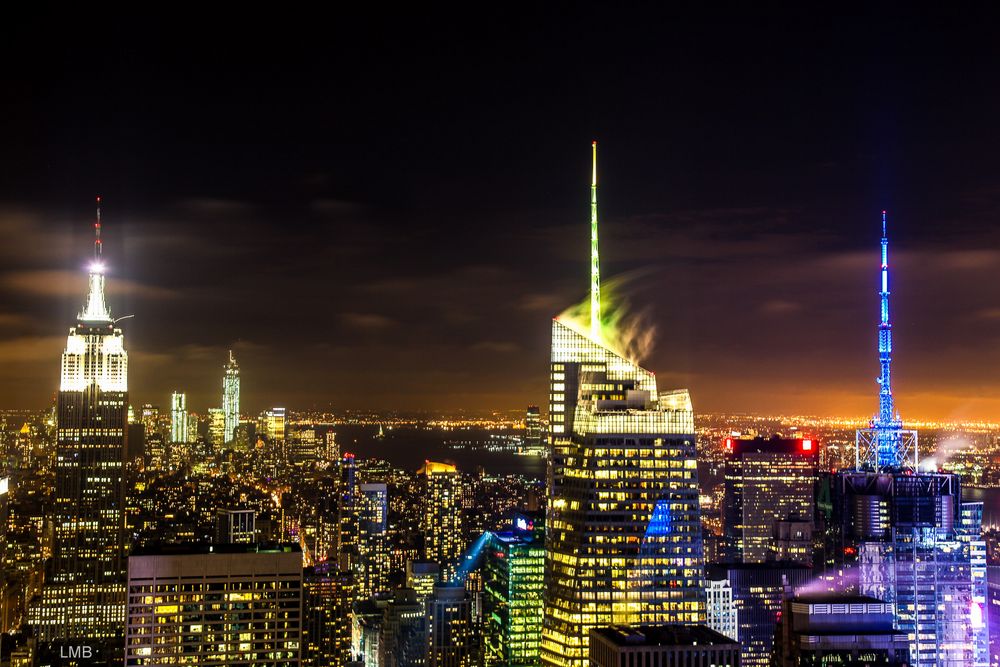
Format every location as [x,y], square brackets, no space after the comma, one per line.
[387,224]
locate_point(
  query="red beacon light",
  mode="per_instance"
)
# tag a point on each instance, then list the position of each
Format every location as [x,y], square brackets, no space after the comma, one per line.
[729,444]
[807,445]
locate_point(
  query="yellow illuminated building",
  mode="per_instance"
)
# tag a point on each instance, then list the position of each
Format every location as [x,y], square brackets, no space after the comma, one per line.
[623,532]
[442,519]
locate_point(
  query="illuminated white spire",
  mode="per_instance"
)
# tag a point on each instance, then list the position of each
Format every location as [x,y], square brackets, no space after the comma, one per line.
[96,308]
[595,264]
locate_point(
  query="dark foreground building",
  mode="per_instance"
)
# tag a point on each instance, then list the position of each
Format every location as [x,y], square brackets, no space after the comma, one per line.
[662,646]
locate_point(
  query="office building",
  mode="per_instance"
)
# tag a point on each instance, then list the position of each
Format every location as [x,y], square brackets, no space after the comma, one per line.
[212,605]
[303,449]
[834,629]
[192,428]
[421,576]
[534,437]
[373,545]
[216,427]
[513,572]
[230,398]
[272,424]
[84,592]
[150,417]
[328,593]
[757,593]
[766,481]
[442,516]
[721,608]
[662,646]
[178,418]
[623,522]
[993,612]
[332,452]
[793,540]
[235,526]
[908,534]
[452,639]
[403,642]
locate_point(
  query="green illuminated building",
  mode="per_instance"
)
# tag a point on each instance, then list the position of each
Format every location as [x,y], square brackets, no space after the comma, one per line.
[513,572]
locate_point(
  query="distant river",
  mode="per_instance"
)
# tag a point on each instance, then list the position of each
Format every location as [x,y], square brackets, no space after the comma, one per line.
[409,447]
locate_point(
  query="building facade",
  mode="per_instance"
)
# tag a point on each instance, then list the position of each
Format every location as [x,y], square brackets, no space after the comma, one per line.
[178,418]
[662,646]
[513,572]
[623,535]
[84,593]
[767,481]
[230,398]
[214,605]
[442,516]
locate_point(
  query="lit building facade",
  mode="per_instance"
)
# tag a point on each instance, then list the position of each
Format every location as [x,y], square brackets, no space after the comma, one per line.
[838,629]
[907,534]
[230,398]
[328,593]
[757,591]
[178,418]
[534,436]
[373,543]
[623,533]
[442,515]
[766,481]
[272,424]
[403,640]
[513,572]
[452,638]
[215,606]
[235,526]
[721,609]
[84,592]
[216,426]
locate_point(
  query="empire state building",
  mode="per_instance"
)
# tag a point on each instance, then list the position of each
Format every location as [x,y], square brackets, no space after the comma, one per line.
[84,592]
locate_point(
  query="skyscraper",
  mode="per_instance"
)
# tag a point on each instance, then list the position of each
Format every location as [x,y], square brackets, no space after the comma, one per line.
[452,640]
[231,397]
[623,527]
[513,573]
[216,426]
[373,543]
[178,418]
[442,516]
[912,540]
[767,481]
[533,436]
[84,592]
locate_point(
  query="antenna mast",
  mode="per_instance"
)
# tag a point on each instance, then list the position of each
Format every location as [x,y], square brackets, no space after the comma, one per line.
[595,265]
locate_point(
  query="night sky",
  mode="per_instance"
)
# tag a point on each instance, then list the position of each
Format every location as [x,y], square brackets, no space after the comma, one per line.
[386,212]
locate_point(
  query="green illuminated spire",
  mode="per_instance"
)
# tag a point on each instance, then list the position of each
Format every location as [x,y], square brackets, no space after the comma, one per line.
[595,265]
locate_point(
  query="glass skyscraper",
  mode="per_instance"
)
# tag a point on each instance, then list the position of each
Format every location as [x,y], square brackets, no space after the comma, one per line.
[178,417]
[513,568]
[623,541]
[231,398]
[442,517]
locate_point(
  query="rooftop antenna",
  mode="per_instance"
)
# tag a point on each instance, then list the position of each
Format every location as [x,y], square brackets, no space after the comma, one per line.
[595,265]
[97,232]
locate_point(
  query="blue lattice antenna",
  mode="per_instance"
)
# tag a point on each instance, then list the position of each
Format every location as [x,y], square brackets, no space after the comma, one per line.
[885,445]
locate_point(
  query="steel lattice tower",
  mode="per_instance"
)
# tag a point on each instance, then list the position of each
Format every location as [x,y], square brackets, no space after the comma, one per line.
[885,445]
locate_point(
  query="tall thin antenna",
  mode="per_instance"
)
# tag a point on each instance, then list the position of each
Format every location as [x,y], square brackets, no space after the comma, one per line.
[595,265]
[97,232]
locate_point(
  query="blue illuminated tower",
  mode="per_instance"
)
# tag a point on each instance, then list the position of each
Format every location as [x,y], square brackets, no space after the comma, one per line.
[907,535]
[885,445]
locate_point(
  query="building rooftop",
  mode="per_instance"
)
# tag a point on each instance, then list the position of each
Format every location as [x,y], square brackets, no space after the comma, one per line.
[194,549]
[836,598]
[663,635]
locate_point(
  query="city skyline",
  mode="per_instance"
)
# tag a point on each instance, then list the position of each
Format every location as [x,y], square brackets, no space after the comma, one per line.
[754,235]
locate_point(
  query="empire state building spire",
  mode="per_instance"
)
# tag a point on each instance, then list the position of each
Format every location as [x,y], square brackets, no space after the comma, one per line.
[96,308]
